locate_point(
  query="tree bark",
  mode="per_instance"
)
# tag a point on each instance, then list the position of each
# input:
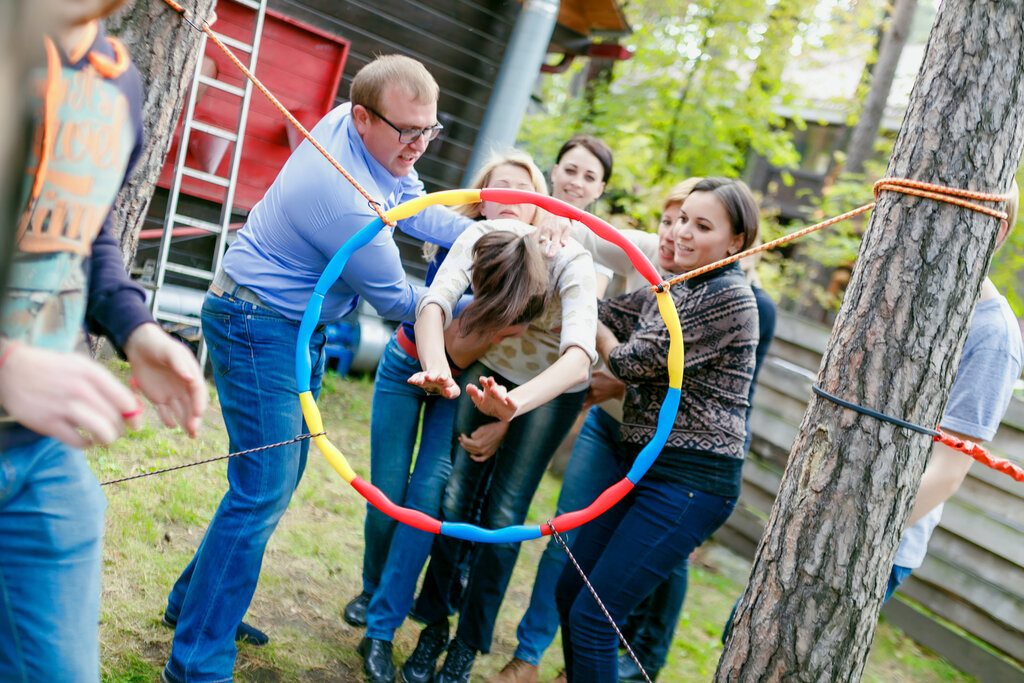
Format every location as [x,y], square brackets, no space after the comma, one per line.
[862,140]
[164,48]
[812,602]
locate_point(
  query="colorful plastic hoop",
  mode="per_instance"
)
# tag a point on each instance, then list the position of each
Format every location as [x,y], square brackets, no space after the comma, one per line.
[472,532]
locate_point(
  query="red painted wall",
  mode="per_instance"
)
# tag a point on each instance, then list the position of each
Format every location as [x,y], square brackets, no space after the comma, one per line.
[300,65]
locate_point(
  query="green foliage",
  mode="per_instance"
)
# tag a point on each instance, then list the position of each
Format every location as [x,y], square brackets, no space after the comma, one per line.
[702,92]
[1008,262]
[695,98]
[800,274]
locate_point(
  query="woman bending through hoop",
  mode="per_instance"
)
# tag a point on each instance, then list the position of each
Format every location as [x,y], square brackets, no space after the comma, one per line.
[510,283]
[534,386]
[692,486]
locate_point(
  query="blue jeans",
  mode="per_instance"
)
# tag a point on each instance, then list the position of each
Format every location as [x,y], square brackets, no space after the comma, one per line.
[652,624]
[51,533]
[626,553]
[252,349]
[897,576]
[393,557]
[495,494]
[596,463]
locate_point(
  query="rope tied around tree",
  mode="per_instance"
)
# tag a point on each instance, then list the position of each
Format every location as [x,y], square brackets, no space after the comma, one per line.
[916,188]
[968,448]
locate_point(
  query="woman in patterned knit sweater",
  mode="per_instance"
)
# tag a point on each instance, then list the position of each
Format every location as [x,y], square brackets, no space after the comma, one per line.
[692,486]
[535,385]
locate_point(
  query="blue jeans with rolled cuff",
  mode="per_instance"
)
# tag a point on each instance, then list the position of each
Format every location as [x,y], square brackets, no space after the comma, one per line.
[252,350]
[395,553]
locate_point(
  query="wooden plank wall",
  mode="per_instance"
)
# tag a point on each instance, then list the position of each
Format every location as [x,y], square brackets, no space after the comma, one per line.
[974,572]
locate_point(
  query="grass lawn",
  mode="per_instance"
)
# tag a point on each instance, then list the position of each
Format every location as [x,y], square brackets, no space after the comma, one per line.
[313,562]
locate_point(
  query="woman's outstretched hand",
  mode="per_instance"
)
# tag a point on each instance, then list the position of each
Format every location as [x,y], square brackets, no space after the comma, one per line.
[436,383]
[493,399]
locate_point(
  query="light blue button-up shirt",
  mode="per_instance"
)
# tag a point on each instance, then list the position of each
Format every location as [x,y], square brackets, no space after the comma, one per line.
[311,210]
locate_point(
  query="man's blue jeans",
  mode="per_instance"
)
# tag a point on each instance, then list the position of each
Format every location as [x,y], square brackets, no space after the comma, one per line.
[495,493]
[51,533]
[626,552]
[395,553]
[252,349]
[596,463]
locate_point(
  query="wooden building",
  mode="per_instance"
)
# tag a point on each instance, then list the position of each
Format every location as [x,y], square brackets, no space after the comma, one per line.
[462,43]
[966,602]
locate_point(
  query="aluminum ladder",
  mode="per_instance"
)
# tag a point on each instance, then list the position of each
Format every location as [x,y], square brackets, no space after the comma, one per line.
[200,278]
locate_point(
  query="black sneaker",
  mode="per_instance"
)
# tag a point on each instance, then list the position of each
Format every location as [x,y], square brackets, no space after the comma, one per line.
[377,664]
[420,666]
[355,610]
[457,664]
[629,672]
[244,634]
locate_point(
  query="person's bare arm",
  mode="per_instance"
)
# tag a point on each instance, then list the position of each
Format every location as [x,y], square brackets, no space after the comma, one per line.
[436,375]
[945,472]
[571,368]
[66,396]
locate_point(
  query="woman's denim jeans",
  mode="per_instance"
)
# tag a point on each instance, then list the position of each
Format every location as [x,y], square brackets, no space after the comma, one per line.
[596,463]
[495,494]
[395,553]
[626,552]
[252,350]
[51,532]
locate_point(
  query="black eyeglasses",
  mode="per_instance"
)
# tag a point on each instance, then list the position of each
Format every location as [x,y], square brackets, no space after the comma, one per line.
[407,136]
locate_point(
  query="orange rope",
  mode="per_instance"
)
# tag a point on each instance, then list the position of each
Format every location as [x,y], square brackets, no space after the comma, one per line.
[981,455]
[287,114]
[916,188]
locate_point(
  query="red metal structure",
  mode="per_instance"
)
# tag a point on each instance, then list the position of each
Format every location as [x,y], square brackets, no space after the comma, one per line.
[302,65]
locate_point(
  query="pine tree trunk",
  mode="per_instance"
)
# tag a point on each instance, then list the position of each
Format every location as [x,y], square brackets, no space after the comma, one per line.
[811,606]
[862,140]
[163,47]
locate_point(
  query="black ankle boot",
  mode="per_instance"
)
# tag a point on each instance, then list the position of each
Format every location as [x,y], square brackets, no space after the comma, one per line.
[457,664]
[377,664]
[422,663]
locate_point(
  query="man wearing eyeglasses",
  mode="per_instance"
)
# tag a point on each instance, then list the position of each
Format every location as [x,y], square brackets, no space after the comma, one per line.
[250,321]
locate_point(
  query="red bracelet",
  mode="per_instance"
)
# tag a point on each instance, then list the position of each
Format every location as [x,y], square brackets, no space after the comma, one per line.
[7,353]
[137,411]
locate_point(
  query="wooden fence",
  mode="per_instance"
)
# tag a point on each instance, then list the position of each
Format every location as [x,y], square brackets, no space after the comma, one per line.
[973,576]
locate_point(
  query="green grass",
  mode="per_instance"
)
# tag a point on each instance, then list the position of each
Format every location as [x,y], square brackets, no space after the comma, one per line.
[313,563]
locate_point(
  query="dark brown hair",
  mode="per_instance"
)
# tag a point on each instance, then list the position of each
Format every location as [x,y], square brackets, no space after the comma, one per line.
[739,203]
[595,146]
[510,283]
